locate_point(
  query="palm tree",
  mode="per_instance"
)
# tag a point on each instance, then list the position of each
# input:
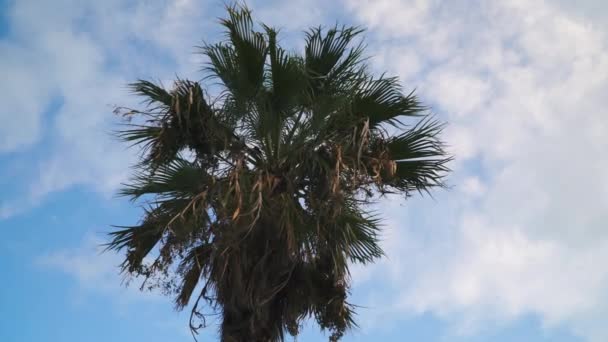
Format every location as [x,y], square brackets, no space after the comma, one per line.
[257,197]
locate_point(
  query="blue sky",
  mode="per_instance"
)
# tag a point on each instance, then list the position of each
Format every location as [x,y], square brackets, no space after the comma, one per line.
[516,250]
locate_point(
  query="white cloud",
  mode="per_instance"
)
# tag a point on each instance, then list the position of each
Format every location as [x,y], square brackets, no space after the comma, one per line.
[67,54]
[23,95]
[473,187]
[523,86]
[410,15]
[95,271]
[295,15]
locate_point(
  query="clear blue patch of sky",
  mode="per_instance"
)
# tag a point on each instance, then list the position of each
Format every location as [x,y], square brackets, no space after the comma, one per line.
[44,305]
[38,303]
[5,5]
[428,328]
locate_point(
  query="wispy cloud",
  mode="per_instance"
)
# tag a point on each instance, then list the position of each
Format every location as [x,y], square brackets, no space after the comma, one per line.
[67,54]
[95,272]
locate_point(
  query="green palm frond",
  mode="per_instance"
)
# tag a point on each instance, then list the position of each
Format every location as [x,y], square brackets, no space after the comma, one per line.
[178,179]
[183,120]
[138,240]
[420,141]
[382,101]
[250,48]
[420,175]
[359,236]
[140,135]
[325,51]
[223,65]
[287,81]
[152,93]
[239,62]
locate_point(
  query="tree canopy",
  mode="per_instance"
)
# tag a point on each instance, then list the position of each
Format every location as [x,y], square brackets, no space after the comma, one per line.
[256,197]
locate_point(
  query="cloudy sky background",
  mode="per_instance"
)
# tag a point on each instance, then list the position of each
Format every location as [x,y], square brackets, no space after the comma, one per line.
[516,250]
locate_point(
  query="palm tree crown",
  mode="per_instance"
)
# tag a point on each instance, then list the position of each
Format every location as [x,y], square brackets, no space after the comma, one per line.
[255,199]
